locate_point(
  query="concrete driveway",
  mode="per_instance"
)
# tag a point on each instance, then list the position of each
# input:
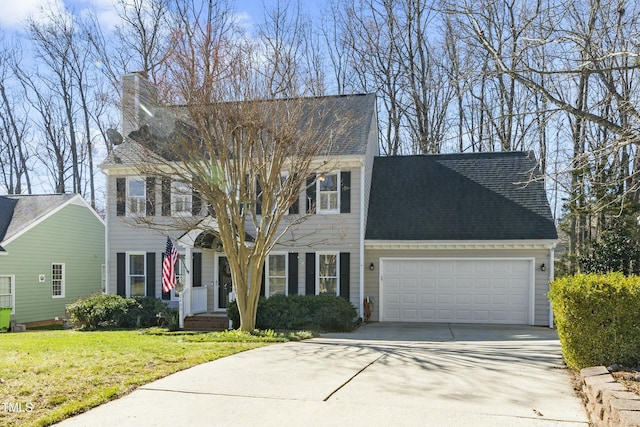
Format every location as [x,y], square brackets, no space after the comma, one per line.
[380,375]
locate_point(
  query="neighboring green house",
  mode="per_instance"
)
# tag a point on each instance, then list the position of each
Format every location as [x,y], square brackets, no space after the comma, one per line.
[51,253]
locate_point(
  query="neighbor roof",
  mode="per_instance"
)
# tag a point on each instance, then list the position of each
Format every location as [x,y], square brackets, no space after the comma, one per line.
[479,196]
[17,212]
[356,112]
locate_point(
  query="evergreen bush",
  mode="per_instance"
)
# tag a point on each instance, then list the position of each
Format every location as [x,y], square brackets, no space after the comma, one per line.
[316,312]
[598,319]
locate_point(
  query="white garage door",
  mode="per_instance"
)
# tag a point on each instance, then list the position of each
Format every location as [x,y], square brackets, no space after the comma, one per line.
[455,290]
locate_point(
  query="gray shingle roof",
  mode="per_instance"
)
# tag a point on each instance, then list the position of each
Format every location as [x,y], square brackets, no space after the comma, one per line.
[356,112]
[480,196]
[19,211]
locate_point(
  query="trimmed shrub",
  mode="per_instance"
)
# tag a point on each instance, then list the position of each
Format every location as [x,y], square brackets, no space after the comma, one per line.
[114,311]
[316,312]
[598,319]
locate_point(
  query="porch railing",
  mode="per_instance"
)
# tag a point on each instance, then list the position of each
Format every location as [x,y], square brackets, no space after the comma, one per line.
[198,300]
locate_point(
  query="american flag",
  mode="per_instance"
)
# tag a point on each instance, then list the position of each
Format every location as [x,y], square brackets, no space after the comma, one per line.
[169,267]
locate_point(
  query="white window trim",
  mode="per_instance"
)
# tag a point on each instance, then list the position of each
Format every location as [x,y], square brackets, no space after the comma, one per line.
[12,279]
[128,278]
[176,195]
[63,280]
[337,255]
[286,273]
[128,211]
[319,209]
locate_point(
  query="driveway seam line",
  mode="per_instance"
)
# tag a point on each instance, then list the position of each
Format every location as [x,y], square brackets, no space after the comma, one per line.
[206,393]
[353,376]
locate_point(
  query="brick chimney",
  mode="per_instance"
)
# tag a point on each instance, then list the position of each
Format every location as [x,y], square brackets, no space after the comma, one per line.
[139,98]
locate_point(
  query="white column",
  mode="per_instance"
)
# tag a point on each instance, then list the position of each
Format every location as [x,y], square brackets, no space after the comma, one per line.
[551,276]
[188,278]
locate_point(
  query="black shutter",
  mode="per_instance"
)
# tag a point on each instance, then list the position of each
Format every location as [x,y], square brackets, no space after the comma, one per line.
[151,274]
[165,295]
[258,198]
[295,207]
[197,269]
[292,274]
[310,274]
[345,192]
[263,283]
[121,197]
[311,194]
[344,274]
[166,197]
[151,196]
[196,202]
[121,274]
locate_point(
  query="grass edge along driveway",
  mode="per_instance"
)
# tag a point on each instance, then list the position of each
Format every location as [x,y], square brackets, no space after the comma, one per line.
[47,376]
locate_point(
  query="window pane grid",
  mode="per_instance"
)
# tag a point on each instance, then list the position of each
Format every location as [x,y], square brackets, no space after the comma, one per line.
[277,274]
[57,280]
[136,196]
[5,291]
[136,275]
[328,274]
[328,192]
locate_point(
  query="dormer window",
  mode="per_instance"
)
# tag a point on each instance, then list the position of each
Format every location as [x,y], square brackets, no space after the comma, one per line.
[136,196]
[328,185]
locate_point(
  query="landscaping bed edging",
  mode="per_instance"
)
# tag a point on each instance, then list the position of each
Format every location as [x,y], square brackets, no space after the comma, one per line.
[608,403]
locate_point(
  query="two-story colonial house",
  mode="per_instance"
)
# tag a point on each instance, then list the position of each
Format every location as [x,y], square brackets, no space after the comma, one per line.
[445,238]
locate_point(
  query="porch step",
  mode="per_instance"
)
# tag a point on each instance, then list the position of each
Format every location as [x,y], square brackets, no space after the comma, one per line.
[206,322]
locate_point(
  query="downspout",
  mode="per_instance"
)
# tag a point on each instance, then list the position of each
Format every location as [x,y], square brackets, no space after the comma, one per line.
[106,248]
[362,220]
[551,275]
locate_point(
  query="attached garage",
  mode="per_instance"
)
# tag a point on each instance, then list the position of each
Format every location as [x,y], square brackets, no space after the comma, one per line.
[457,290]
[459,238]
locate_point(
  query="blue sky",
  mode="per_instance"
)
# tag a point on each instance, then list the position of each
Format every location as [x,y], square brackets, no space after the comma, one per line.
[14,12]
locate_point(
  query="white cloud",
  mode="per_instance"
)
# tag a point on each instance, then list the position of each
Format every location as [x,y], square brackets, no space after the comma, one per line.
[14,13]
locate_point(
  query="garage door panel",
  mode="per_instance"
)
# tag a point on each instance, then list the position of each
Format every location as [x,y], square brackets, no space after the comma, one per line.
[456,290]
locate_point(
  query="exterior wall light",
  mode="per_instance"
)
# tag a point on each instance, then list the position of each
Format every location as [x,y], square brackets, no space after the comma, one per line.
[543,267]
[371,267]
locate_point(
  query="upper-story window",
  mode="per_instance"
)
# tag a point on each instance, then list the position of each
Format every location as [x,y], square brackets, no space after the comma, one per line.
[136,196]
[181,198]
[329,193]
[328,185]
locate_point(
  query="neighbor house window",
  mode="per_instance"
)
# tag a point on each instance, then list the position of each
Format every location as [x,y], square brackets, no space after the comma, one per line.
[136,277]
[328,185]
[181,198]
[327,273]
[136,196]
[276,275]
[7,293]
[57,280]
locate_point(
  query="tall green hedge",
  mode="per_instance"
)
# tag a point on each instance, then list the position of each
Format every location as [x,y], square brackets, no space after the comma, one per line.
[598,319]
[296,312]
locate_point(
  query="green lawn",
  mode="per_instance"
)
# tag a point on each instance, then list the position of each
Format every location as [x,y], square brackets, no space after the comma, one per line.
[46,376]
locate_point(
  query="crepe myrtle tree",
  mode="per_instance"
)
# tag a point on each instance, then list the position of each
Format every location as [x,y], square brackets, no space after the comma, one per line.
[246,154]
[247,163]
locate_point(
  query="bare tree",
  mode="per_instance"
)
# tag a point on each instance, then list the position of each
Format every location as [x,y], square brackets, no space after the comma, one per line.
[14,152]
[246,152]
